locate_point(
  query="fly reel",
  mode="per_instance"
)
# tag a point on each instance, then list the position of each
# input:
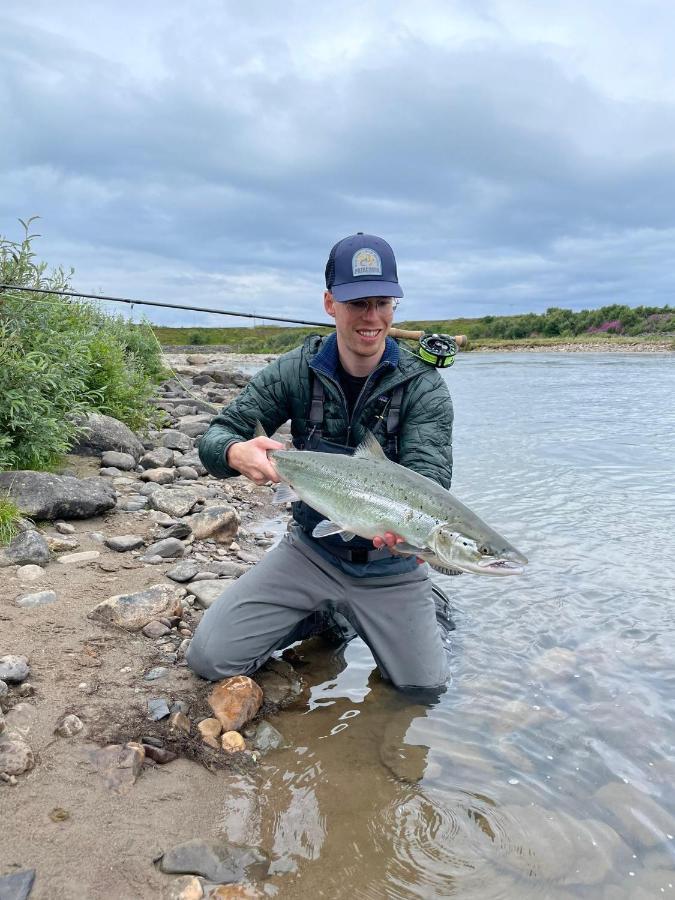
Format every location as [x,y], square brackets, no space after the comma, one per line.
[437,350]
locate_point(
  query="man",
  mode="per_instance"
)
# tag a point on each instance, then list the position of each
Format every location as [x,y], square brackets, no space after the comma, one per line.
[334,389]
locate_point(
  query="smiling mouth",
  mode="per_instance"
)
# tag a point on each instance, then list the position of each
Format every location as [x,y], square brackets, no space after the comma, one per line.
[368,333]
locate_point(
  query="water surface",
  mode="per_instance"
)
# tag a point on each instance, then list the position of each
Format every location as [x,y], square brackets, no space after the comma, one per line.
[547,769]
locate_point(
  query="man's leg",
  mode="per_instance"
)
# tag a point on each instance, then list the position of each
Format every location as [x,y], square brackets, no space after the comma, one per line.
[396,616]
[264,610]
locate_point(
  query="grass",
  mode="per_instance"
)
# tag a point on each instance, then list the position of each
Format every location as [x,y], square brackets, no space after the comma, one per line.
[9,520]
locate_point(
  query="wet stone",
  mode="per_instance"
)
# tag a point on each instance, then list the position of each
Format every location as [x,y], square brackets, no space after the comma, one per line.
[123,543]
[268,738]
[14,669]
[235,701]
[119,765]
[643,820]
[41,598]
[218,861]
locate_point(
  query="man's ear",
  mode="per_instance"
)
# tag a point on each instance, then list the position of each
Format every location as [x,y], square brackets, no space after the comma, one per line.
[329,303]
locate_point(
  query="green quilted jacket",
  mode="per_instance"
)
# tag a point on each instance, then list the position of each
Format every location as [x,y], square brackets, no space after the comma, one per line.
[282,391]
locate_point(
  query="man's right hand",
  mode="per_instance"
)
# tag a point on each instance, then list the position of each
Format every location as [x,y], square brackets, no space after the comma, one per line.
[250,458]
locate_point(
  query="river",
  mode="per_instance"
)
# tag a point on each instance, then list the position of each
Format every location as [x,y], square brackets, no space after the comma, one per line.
[547,769]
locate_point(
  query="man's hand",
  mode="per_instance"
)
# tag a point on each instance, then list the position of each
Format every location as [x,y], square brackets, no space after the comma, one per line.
[250,458]
[389,539]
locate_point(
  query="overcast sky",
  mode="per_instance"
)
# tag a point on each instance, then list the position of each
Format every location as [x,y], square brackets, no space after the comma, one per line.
[517,154]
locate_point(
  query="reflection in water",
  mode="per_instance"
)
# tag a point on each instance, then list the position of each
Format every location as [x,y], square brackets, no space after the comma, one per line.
[547,769]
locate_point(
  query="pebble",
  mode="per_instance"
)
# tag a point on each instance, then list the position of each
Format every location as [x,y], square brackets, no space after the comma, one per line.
[161,518]
[158,709]
[30,572]
[184,571]
[77,559]
[14,669]
[123,461]
[41,598]
[156,673]
[16,757]
[180,530]
[68,725]
[268,738]
[159,476]
[155,629]
[64,527]
[232,742]
[235,701]
[132,504]
[4,690]
[180,721]
[159,754]
[58,543]
[124,542]
[166,548]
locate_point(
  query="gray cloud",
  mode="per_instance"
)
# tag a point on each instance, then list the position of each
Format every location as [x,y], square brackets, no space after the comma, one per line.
[202,156]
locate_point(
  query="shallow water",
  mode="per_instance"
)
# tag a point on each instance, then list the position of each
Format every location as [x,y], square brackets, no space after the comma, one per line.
[547,769]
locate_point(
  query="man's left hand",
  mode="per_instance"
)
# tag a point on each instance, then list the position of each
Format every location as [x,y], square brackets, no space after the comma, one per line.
[389,539]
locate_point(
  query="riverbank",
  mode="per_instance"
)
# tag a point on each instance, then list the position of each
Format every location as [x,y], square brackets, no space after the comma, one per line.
[105,764]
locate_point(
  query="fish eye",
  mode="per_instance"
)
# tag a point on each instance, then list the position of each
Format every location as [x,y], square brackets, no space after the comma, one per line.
[483,550]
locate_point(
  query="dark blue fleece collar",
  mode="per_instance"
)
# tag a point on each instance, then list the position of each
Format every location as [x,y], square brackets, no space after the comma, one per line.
[326,360]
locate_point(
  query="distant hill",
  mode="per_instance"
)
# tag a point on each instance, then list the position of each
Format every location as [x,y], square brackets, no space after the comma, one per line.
[555,325]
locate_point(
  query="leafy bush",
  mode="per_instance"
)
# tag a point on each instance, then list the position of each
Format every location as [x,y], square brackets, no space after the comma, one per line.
[60,359]
[9,517]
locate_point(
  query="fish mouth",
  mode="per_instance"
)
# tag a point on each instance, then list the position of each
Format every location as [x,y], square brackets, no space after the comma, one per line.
[500,566]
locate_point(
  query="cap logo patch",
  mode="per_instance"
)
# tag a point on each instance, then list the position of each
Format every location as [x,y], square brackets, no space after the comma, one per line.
[366,262]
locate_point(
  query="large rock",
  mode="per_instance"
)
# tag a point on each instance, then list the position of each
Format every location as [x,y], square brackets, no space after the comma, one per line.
[42,495]
[218,522]
[27,548]
[235,701]
[174,502]
[218,861]
[134,611]
[105,433]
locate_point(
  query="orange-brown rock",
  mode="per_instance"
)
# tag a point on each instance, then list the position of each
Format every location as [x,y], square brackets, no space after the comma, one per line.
[210,731]
[235,892]
[235,701]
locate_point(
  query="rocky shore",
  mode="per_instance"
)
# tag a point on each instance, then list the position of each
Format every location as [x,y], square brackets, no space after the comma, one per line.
[110,747]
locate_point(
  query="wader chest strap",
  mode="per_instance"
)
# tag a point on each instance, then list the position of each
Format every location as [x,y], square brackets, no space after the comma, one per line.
[393,421]
[316,410]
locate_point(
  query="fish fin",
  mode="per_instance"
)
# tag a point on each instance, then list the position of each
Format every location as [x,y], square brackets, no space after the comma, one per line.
[369,448]
[258,430]
[284,493]
[326,527]
[347,536]
[407,549]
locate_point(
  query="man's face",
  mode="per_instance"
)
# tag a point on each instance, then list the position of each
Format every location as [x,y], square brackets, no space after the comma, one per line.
[362,325]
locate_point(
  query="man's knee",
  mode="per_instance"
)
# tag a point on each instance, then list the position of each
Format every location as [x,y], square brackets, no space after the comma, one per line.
[212,662]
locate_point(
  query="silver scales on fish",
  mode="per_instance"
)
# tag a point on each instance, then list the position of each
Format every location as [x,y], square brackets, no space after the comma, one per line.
[367,494]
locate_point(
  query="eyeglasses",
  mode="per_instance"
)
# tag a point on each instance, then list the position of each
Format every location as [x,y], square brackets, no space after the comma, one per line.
[384,305]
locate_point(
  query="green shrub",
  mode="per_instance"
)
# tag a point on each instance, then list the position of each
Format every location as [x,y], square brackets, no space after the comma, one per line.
[62,358]
[9,518]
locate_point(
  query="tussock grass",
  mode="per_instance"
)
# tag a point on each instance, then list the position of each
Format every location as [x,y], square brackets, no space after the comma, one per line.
[9,519]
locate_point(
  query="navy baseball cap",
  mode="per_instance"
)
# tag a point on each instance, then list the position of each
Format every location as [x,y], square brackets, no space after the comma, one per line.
[362,266]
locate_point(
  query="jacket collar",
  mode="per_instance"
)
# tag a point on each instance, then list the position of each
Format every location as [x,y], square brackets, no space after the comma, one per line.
[326,360]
